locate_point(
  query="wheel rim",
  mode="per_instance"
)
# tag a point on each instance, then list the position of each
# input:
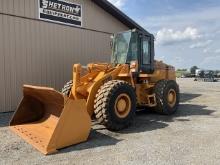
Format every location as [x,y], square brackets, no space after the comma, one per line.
[171,97]
[122,105]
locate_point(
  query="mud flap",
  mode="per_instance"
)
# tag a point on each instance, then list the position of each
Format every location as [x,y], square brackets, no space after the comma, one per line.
[50,121]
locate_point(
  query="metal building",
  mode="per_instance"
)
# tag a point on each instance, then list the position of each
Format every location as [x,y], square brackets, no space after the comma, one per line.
[40,40]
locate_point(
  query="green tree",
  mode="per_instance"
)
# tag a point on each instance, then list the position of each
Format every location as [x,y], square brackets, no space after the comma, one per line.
[181,70]
[193,69]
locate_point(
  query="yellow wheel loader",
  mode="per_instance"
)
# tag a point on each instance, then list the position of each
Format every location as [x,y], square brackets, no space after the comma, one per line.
[111,92]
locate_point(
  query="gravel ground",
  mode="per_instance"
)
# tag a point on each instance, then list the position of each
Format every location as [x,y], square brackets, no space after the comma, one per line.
[191,136]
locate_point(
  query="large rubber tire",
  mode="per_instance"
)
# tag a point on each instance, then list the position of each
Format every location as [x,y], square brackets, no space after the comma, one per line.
[67,88]
[105,102]
[161,91]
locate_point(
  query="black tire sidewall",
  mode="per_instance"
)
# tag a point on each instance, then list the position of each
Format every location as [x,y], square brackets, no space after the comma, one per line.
[67,88]
[161,90]
[171,85]
[122,89]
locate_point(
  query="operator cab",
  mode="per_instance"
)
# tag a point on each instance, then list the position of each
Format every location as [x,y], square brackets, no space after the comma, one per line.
[134,46]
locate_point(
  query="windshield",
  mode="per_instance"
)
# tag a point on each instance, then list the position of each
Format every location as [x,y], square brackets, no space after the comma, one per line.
[121,47]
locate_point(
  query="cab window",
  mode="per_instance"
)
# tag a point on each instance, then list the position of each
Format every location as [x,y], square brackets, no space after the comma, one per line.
[146,51]
[133,50]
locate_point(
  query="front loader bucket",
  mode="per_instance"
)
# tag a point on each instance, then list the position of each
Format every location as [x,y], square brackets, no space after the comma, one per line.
[49,121]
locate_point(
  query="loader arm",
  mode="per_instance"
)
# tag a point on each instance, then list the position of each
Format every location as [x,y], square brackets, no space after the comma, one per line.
[86,87]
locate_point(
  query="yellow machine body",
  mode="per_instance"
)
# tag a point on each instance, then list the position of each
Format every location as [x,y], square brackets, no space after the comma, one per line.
[49,120]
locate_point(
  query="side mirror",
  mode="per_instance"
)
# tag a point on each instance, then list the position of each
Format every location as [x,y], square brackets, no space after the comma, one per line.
[111,44]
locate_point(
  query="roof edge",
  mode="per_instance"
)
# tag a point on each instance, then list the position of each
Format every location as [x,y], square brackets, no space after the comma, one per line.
[118,14]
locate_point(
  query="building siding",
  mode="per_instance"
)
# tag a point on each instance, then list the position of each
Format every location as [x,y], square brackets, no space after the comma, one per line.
[93,16]
[42,53]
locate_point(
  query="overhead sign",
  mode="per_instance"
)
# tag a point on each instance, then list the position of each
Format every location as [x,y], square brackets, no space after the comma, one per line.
[61,11]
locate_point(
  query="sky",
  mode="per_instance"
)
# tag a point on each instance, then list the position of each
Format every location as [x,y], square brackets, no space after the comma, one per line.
[187,32]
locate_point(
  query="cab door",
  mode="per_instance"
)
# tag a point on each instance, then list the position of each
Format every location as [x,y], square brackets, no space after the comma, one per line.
[146,60]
